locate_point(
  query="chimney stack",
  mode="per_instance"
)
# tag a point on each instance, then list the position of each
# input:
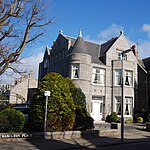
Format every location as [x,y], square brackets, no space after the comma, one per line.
[133,47]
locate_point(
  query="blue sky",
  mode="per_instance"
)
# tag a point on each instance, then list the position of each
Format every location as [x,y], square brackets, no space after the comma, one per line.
[99,21]
[94,16]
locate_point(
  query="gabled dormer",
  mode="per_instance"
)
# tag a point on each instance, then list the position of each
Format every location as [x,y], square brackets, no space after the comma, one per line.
[112,49]
[60,43]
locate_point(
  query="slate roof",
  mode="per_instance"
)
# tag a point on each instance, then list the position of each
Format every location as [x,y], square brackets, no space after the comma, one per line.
[79,46]
[105,46]
[146,62]
[141,63]
[93,49]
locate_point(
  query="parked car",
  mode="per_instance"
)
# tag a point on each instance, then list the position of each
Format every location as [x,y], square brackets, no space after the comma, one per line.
[24,108]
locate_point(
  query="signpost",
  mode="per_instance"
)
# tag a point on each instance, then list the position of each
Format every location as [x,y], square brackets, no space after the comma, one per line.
[122,100]
[46,94]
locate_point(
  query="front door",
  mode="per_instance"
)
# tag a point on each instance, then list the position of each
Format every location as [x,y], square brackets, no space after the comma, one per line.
[97,110]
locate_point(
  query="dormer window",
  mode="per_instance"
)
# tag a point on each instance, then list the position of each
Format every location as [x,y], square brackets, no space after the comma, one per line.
[75,71]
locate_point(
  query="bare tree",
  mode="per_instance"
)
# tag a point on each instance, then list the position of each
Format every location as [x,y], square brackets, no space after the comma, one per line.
[21,22]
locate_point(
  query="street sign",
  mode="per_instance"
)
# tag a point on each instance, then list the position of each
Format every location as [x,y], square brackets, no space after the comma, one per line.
[47,93]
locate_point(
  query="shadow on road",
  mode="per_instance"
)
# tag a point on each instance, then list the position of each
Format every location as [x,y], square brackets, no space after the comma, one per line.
[87,141]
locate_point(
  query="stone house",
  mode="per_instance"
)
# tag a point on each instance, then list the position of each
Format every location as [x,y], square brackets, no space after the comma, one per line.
[97,70]
[23,89]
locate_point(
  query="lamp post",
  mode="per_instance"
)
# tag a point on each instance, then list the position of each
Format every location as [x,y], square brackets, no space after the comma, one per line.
[122,92]
[46,94]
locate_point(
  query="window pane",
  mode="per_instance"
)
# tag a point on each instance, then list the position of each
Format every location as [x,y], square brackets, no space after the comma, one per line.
[128,78]
[128,106]
[101,107]
[119,56]
[75,71]
[118,105]
[98,76]
[118,77]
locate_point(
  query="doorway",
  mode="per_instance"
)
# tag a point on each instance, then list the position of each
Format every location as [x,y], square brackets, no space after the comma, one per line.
[97,110]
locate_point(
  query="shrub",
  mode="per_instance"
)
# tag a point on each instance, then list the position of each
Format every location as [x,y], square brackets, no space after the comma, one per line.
[148,117]
[79,97]
[83,120]
[114,117]
[77,94]
[137,115]
[130,120]
[61,108]
[108,119]
[11,120]
[119,120]
[139,119]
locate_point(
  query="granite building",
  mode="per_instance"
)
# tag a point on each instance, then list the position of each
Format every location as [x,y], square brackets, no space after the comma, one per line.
[97,70]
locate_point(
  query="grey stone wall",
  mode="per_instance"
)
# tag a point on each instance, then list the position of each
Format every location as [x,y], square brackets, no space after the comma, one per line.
[19,91]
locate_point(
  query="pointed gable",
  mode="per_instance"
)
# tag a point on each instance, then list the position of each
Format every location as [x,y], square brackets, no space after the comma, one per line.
[47,52]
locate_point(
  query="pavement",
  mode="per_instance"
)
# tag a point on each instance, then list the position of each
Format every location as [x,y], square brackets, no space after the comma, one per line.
[133,133]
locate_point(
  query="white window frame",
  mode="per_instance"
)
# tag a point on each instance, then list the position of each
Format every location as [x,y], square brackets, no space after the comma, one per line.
[119,56]
[118,77]
[125,57]
[98,76]
[128,108]
[118,105]
[75,71]
[128,79]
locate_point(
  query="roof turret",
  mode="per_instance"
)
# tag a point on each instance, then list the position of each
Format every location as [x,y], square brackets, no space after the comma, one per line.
[79,46]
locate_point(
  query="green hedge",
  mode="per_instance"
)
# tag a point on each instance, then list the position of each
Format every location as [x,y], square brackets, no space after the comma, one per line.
[112,118]
[11,120]
[83,121]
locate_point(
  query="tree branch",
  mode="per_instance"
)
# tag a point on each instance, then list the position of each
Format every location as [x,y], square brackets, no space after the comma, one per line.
[34,22]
